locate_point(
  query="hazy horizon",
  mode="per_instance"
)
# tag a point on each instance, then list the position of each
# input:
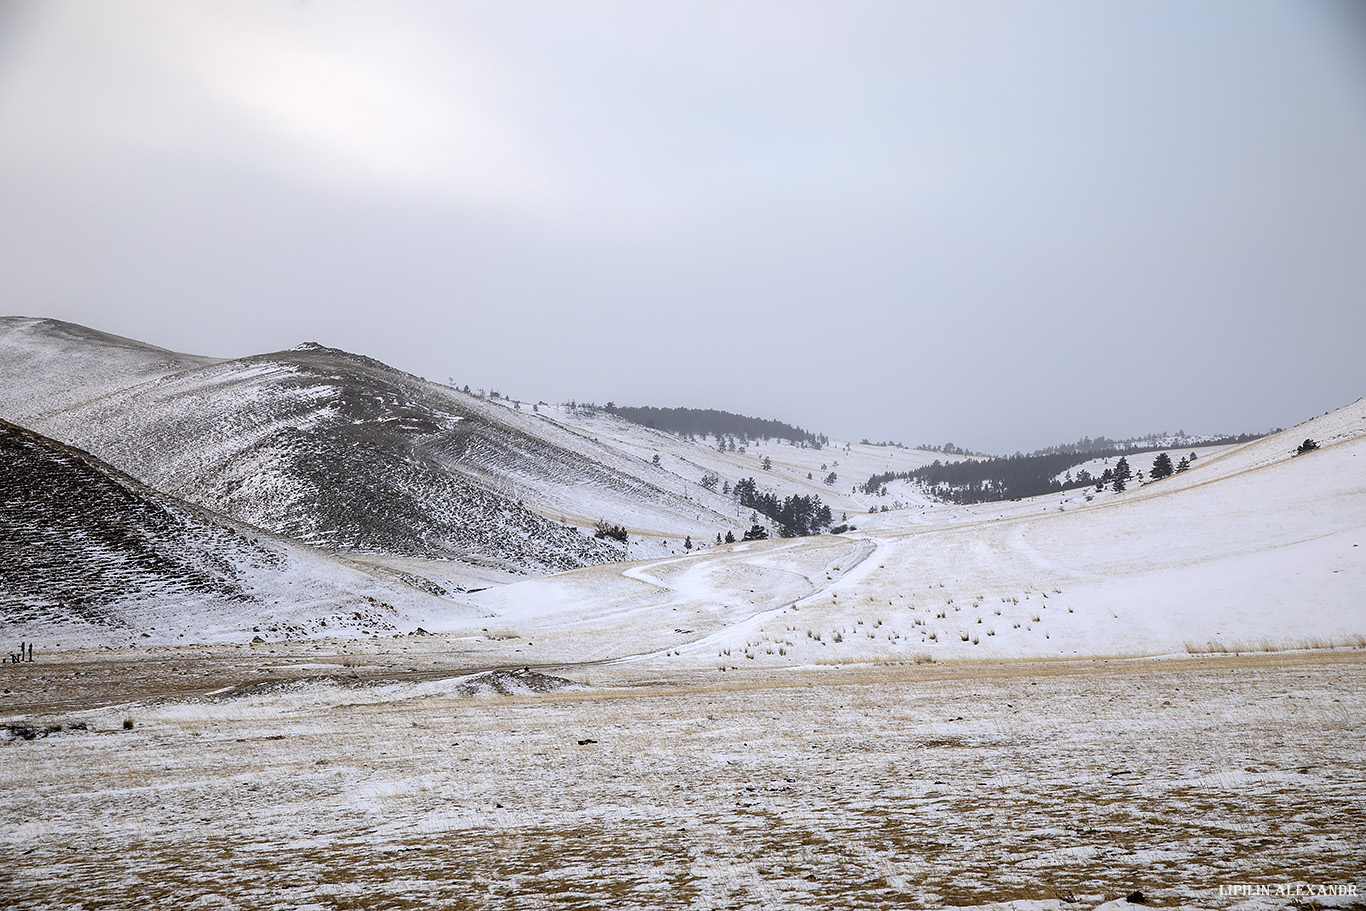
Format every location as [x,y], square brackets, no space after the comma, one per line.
[1006,226]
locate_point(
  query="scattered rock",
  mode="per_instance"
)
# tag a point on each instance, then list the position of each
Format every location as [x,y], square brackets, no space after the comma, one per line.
[23,730]
[587,741]
[512,683]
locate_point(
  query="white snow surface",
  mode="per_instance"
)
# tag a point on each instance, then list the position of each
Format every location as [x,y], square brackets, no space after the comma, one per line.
[1252,549]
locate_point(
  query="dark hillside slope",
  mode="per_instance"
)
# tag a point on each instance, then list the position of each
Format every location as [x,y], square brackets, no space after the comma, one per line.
[80,537]
[90,553]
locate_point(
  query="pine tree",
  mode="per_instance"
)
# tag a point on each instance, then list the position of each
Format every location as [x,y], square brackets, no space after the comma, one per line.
[1122,475]
[1162,467]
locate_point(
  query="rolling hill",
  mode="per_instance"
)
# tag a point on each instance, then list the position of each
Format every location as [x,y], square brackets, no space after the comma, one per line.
[281,483]
[90,553]
[340,451]
[1253,549]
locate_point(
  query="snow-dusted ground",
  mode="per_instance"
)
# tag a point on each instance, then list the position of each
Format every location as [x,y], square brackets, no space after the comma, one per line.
[1252,549]
[1051,785]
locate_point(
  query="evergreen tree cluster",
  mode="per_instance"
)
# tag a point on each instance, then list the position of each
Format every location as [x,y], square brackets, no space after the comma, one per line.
[947,449]
[1102,446]
[1018,476]
[710,422]
[989,480]
[796,516]
[981,481]
[1121,476]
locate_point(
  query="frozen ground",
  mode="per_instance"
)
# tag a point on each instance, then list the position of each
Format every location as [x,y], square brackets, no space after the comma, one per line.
[1060,784]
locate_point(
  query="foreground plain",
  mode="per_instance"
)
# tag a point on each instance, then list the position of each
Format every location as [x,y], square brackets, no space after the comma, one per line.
[410,785]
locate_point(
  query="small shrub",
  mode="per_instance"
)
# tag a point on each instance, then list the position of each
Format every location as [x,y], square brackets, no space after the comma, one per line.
[605,530]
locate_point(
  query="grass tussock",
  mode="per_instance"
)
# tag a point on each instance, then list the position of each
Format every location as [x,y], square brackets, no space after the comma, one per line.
[1242,647]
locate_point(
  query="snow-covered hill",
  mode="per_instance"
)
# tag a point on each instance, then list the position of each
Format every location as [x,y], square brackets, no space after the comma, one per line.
[90,554]
[1254,548]
[431,493]
[47,365]
[793,469]
[340,451]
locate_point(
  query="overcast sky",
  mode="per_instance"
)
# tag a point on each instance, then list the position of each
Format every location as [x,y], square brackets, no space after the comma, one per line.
[1004,225]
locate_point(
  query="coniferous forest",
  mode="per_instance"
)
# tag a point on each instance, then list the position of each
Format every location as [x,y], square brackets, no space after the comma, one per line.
[1010,478]
[710,422]
[796,516]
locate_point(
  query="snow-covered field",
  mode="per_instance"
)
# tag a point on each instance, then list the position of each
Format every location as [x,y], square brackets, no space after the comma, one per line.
[1253,549]
[1052,785]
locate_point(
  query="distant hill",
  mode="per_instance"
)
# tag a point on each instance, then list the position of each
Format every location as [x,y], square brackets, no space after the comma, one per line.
[339,450]
[1101,445]
[710,422]
[1041,472]
[47,365]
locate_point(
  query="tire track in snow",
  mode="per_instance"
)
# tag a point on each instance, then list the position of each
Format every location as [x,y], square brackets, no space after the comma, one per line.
[863,549]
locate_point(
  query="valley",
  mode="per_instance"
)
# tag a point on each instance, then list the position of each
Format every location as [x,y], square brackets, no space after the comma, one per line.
[310,632]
